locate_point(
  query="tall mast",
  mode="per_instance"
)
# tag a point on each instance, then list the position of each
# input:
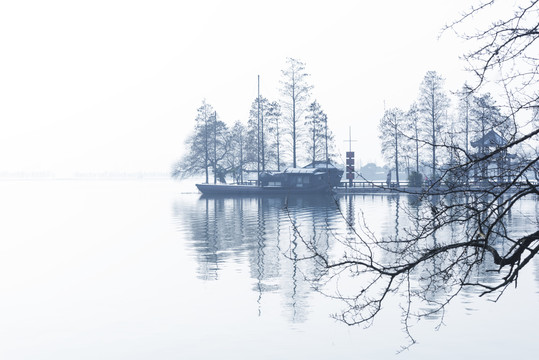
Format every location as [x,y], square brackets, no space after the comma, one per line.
[261,107]
[326,139]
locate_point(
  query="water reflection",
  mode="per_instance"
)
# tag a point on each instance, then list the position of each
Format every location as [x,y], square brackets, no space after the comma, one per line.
[269,234]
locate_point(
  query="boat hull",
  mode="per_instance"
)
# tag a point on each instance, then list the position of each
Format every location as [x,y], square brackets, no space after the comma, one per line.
[223,189]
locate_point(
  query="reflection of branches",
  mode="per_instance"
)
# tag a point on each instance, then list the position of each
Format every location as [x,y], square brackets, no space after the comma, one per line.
[458,234]
[429,270]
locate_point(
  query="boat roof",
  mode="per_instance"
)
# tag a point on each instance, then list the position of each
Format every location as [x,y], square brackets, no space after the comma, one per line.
[320,164]
[311,171]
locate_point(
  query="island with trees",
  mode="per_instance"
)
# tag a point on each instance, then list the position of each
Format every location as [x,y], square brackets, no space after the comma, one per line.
[276,134]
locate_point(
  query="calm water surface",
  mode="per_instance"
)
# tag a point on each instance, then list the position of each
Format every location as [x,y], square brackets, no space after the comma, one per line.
[152,270]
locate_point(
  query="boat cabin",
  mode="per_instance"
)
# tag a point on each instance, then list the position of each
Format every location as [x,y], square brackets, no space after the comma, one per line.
[307,178]
[334,175]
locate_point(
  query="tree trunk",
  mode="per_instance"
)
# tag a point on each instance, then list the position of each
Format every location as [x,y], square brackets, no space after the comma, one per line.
[241,158]
[433,115]
[278,149]
[206,152]
[314,144]
[293,126]
[416,149]
[396,153]
[215,148]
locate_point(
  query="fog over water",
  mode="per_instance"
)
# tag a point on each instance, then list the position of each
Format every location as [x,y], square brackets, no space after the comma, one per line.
[104,256]
[150,269]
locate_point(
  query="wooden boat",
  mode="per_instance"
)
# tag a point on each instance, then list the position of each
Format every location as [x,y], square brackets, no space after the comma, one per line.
[311,180]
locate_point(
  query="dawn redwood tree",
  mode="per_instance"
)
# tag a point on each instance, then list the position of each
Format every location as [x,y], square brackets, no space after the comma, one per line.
[273,120]
[465,99]
[264,125]
[235,155]
[484,115]
[219,143]
[433,103]
[296,92]
[316,124]
[199,145]
[256,131]
[412,126]
[392,137]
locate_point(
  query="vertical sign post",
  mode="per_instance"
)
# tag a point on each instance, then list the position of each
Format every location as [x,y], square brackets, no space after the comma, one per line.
[350,160]
[350,167]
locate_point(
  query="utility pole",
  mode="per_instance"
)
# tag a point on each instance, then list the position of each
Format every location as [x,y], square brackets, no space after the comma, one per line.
[261,105]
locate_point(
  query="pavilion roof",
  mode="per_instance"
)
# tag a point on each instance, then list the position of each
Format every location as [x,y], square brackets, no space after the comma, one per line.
[491,139]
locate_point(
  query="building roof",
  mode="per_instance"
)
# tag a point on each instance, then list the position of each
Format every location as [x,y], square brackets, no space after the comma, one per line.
[320,164]
[313,171]
[491,139]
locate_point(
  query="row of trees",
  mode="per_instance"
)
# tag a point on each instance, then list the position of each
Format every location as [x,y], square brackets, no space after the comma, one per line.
[276,133]
[460,238]
[430,135]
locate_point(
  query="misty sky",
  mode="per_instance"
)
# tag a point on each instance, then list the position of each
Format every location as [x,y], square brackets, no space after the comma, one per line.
[114,85]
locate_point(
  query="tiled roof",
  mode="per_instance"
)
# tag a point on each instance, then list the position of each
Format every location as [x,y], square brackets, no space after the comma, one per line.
[491,139]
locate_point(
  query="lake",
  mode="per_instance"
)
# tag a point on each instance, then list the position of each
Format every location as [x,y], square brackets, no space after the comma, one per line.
[133,269]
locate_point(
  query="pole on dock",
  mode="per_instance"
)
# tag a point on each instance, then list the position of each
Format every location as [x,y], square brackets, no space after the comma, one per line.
[350,159]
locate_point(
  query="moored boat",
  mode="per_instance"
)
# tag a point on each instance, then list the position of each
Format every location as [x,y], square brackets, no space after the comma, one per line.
[321,178]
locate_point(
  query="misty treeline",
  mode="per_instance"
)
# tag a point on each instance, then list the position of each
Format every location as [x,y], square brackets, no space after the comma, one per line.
[456,234]
[441,128]
[276,133]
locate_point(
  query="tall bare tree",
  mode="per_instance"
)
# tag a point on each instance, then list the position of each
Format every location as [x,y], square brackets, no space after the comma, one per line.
[219,148]
[199,144]
[235,155]
[316,123]
[273,119]
[296,92]
[257,154]
[392,138]
[465,98]
[413,130]
[433,103]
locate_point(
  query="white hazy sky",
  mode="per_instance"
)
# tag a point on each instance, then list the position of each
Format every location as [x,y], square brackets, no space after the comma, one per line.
[114,85]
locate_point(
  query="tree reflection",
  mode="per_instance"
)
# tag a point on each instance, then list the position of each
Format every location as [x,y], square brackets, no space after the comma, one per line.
[296,244]
[263,231]
[421,257]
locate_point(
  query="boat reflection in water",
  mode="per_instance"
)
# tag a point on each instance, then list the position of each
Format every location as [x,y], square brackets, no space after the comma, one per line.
[267,234]
[261,231]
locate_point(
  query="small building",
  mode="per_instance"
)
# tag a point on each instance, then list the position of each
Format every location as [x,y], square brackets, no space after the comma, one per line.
[497,167]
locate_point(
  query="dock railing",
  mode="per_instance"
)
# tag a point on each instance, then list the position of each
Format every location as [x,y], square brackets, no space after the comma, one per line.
[372,184]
